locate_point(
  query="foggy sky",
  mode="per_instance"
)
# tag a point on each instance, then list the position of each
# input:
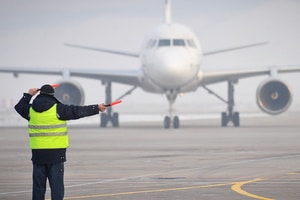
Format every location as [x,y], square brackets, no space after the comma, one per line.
[32,34]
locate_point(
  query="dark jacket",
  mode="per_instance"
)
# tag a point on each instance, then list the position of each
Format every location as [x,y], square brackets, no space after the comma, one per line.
[64,112]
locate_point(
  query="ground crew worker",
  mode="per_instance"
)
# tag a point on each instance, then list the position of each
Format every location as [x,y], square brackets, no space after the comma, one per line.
[48,137]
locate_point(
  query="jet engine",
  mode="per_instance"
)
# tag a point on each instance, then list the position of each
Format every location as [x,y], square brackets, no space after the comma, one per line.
[273,96]
[69,92]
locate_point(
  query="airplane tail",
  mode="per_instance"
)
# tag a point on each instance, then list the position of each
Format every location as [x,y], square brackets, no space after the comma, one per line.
[168,12]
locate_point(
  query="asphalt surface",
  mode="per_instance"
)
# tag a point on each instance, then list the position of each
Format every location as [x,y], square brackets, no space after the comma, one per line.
[201,160]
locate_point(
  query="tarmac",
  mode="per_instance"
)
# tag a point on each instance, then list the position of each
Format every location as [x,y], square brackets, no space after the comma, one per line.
[142,160]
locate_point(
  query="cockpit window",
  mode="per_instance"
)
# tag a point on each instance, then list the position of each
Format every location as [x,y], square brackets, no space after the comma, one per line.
[164,42]
[173,42]
[178,42]
[191,43]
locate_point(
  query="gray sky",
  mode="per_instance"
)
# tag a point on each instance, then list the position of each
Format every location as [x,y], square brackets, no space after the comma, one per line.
[32,33]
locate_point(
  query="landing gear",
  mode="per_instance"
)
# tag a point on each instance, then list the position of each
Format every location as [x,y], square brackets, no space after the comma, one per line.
[228,116]
[176,122]
[109,115]
[105,118]
[168,122]
[171,120]
[234,118]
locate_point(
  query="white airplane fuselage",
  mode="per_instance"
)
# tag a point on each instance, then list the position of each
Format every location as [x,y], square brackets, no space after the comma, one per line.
[170,58]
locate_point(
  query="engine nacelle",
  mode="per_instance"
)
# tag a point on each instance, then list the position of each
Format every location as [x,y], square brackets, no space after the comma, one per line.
[273,96]
[69,92]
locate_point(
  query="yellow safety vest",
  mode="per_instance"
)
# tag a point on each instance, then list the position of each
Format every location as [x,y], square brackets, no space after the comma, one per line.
[46,131]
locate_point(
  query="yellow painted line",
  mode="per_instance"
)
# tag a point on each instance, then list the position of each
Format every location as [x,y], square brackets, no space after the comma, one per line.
[237,187]
[148,191]
[294,173]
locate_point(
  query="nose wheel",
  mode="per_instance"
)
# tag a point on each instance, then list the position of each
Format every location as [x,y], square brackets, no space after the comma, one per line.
[168,121]
[171,120]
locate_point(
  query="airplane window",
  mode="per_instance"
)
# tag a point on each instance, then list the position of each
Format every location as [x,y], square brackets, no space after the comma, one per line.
[178,42]
[191,43]
[164,42]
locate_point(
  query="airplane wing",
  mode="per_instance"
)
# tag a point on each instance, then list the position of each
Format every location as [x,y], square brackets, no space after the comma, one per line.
[129,77]
[210,77]
[122,53]
[207,53]
[133,54]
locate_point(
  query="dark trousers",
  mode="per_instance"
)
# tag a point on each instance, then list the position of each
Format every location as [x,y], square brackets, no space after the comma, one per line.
[55,175]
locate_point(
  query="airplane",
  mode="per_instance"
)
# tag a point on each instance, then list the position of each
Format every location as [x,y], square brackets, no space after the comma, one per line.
[171,59]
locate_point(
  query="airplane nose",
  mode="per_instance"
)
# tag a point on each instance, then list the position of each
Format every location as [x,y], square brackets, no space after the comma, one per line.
[172,69]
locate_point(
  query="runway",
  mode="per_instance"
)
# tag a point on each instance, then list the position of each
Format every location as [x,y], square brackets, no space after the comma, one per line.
[201,160]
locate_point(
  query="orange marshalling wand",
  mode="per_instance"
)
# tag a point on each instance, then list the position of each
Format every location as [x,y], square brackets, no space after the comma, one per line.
[55,85]
[113,103]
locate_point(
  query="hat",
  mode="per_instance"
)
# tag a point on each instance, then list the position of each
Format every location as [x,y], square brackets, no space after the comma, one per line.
[47,89]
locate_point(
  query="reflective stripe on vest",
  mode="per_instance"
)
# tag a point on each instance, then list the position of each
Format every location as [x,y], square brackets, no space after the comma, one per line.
[47,127]
[46,131]
[46,134]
